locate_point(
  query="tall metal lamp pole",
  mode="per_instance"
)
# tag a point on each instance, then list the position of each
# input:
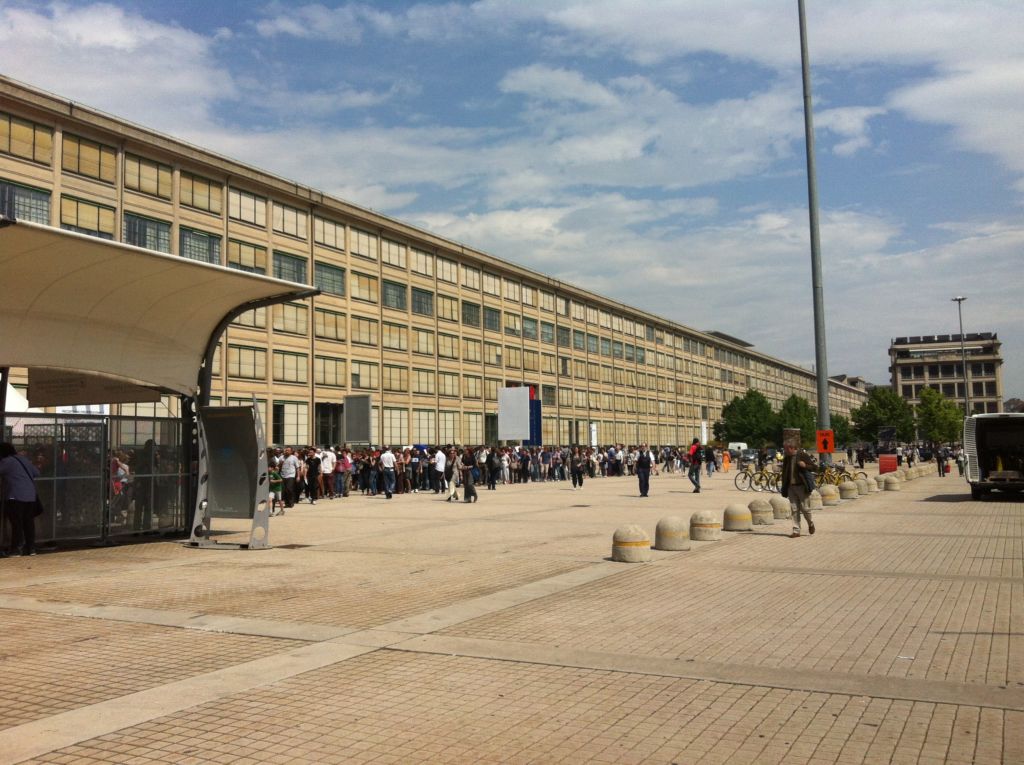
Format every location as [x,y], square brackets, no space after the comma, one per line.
[817,289]
[959,300]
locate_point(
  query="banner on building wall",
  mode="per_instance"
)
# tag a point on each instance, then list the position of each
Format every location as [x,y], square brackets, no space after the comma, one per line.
[358,419]
[536,424]
[514,414]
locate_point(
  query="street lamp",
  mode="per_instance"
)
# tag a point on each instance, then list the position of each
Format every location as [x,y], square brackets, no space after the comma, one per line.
[959,300]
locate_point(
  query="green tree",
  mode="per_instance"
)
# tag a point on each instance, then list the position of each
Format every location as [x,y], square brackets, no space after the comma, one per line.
[884,408]
[842,430]
[796,412]
[748,418]
[938,419]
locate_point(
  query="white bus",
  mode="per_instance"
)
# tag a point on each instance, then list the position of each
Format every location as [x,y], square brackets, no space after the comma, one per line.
[994,447]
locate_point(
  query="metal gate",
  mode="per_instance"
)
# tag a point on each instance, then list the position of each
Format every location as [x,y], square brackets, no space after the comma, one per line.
[104,476]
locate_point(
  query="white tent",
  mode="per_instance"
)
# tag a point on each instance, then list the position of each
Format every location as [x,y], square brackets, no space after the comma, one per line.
[75,302]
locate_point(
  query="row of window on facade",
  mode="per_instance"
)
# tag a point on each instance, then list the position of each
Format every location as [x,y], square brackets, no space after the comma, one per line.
[81,156]
[952,390]
[978,369]
[94,160]
[289,424]
[144,232]
[250,363]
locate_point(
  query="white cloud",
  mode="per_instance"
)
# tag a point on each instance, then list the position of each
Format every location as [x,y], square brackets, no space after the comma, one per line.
[549,84]
[983,105]
[851,125]
[105,56]
[343,24]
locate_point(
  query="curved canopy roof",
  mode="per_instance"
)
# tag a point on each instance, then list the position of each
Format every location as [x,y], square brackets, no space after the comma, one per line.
[75,302]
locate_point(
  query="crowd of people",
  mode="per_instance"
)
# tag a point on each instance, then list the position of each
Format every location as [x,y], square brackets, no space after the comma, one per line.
[313,473]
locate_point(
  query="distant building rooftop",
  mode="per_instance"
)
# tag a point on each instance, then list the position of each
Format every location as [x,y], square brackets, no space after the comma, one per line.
[928,339]
[730,338]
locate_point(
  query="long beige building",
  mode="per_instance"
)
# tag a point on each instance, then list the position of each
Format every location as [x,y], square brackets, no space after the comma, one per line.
[432,328]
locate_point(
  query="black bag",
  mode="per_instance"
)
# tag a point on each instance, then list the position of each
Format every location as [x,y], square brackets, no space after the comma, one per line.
[808,479]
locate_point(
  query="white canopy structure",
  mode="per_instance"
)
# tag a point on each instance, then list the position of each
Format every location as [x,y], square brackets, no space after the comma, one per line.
[75,302]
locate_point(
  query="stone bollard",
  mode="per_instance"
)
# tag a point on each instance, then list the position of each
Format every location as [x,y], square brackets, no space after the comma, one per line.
[829,495]
[862,486]
[780,508]
[848,490]
[814,501]
[761,512]
[672,533]
[892,483]
[630,544]
[705,526]
[736,518]
[880,482]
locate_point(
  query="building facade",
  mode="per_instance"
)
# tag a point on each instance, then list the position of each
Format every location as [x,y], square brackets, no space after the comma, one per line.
[430,327]
[936,361]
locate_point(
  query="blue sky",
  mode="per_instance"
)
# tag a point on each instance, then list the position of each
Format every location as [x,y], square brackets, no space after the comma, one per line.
[649,151]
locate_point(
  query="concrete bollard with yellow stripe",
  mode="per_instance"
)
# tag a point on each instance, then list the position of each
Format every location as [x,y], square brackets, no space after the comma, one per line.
[761,513]
[630,544]
[814,501]
[780,508]
[705,526]
[848,490]
[829,495]
[672,533]
[736,518]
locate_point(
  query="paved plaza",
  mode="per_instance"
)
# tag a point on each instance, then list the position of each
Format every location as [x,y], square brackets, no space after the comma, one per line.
[413,630]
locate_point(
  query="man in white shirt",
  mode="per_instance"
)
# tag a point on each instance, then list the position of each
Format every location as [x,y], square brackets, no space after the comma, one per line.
[328,459]
[289,472]
[387,462]
[440,461]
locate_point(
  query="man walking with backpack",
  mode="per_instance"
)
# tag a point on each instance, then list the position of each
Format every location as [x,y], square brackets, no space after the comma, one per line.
[693,473]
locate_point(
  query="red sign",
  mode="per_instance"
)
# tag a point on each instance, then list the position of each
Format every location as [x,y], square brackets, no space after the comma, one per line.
[826,442]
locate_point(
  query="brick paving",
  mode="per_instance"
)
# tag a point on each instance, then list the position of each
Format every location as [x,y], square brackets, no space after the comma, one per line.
[499,632]
[51,664]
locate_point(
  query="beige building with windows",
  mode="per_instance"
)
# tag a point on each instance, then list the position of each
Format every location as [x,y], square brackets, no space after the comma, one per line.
[936,361]
[430,327]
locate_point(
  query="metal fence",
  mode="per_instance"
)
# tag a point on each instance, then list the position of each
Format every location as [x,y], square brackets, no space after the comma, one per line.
[104,476]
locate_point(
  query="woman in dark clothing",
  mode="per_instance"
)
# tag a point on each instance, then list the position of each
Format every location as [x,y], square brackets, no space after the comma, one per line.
[576,468]
[466,462]
[19,496]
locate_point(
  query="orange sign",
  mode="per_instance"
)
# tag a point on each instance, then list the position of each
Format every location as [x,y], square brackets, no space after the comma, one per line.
[826,442]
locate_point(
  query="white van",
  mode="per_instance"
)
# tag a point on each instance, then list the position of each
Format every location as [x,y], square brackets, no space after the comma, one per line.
[994,447]
[737,446]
